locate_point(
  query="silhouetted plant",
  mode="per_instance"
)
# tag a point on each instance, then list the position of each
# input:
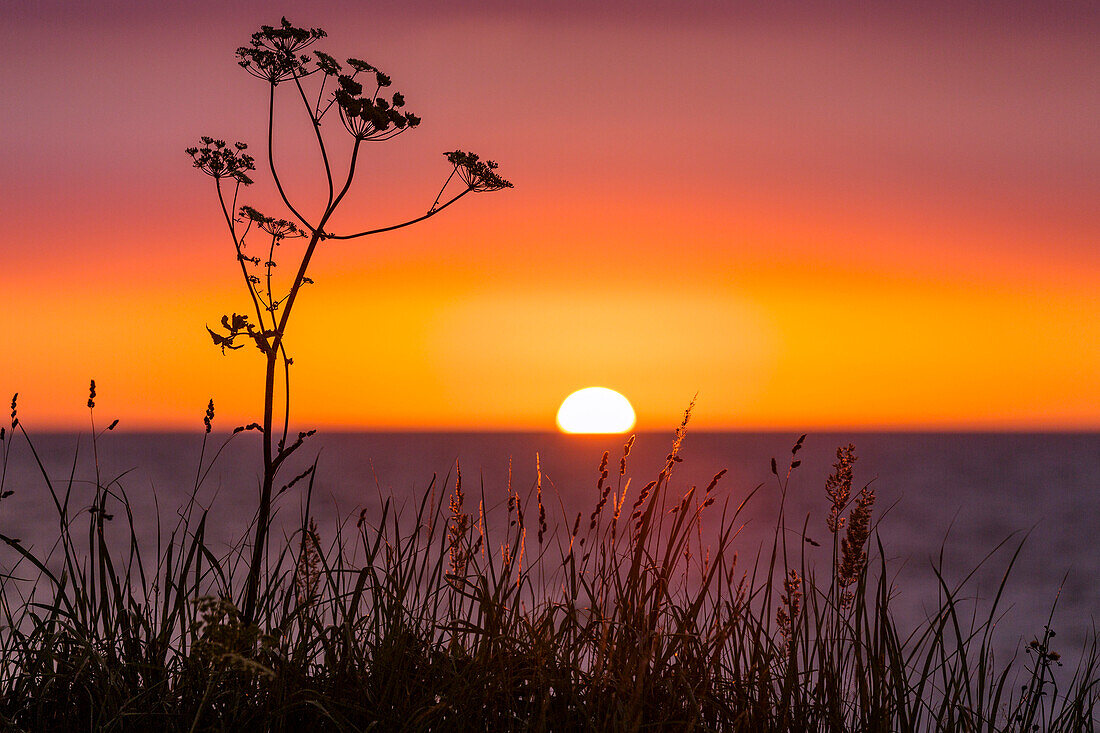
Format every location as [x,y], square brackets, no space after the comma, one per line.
[320,82]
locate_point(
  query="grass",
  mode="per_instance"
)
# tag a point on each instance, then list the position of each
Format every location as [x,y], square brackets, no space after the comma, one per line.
[464,612]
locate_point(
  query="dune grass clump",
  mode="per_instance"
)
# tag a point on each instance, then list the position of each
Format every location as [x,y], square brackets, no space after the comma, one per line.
[448,614]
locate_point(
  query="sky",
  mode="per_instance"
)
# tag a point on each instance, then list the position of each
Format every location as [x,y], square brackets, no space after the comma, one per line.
[812,216]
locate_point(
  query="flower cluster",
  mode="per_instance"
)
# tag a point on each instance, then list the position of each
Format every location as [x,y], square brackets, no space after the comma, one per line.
[838,487]
[790,606]
[208,418]
[307,572]
[326,64]
[217,159]
[853,556]
[457,529]
[278,228]
[478,175]
[272,54]
[1042,650]
[361,66]
[370,117]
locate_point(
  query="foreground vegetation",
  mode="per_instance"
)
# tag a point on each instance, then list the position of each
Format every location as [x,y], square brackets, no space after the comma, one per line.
[478,613]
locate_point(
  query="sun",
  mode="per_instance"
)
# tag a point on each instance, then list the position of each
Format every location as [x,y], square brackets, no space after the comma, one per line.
[595,410]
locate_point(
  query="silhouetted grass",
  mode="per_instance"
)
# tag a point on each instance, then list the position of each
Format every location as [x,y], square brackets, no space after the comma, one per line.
[448,614]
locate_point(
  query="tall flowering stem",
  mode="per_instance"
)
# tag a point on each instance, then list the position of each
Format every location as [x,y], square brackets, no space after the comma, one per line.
[368,112]
[853,555]
[457,529]
[786,617]
[838,487]
[850,556]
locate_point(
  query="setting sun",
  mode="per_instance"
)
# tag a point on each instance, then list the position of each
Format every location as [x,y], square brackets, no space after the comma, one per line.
[595,410]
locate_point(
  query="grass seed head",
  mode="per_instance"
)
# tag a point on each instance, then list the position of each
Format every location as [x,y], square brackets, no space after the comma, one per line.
[838,486]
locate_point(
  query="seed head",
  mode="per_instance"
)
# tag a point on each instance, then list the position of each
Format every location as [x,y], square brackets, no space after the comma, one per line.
[838,486]
[478,175]
[218,160]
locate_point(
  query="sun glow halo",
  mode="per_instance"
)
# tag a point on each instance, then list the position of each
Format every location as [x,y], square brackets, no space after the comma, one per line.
[595,410]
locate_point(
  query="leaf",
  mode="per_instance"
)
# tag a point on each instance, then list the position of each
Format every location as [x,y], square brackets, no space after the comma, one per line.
[218,339]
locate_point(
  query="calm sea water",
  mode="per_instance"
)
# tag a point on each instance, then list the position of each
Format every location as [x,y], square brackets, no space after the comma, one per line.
[959,494]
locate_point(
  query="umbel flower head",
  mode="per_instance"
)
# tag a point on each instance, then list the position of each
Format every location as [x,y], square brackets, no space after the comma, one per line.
[217,159]
[478,175]
[368,117]
[272,54]
[278,228]
[327,64]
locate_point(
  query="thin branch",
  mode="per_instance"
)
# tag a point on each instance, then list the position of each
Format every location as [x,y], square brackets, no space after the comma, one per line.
[237,190]
[225,212]
[284,453]
[286,404]
[331,101]
[430,214]
[271,157]
[269,265]
[317,114]
[347,183]
[320,140]
[237,245]
[443,188]
[315,237]
[280,329]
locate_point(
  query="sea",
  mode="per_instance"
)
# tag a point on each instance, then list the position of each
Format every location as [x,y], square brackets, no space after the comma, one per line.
[960,503]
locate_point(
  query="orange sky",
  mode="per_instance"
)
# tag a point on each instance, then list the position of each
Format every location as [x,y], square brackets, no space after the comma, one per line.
[826,220]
